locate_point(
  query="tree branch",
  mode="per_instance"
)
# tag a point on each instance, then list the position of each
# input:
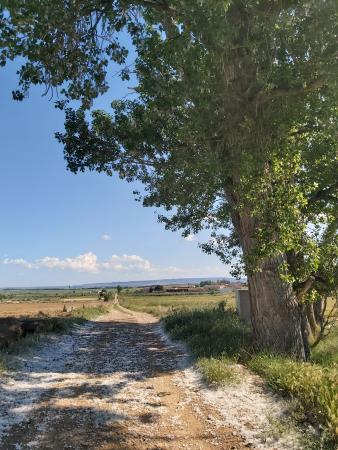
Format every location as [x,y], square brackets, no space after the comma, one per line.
[297,90]
[330,318]
[324,194]
[304,287]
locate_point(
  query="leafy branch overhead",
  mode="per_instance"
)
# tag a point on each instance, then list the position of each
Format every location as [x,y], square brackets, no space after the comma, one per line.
[231,124]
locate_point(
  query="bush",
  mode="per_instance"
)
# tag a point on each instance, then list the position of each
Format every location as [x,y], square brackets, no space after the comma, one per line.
[209,332]
[158,288]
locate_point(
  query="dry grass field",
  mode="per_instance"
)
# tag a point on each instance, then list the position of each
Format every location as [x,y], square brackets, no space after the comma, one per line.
[48,307]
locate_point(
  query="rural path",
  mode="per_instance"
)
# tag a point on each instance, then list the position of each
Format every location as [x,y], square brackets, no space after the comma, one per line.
[115,383]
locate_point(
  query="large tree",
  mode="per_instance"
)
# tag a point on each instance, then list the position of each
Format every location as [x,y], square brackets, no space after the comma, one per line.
[231,125]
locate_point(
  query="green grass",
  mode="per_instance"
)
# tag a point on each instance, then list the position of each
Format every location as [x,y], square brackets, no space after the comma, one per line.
[161,305]
[314,386]
[216,339]
[217,371]
[326,352]
[27,295]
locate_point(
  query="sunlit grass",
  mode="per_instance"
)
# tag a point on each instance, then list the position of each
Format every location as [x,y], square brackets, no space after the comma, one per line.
[162,305]
[217,339]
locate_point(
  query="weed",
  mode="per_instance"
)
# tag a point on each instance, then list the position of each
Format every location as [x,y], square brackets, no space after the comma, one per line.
[217,371]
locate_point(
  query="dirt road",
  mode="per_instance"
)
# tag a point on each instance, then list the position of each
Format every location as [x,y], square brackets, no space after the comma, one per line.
[113,384]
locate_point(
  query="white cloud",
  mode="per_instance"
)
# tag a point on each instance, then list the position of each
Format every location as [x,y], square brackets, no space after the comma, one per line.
[174,270]
[190,237]
[124,267]
[19,262]
[83,263]
[87,262]
[106,237]
[125,262]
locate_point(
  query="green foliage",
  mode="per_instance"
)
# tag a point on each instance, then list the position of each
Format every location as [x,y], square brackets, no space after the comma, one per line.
[217,371]
[218,339]
[107,295]
[158,288]
[231,126]
[315,387]
[325,353]
[234,110]
[209,332]
[119,289]
[205,283]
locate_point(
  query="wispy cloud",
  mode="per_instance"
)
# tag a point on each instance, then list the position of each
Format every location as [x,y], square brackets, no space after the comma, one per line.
[124,266]
[106,237]
[19,262]
[190,237]
[87,262]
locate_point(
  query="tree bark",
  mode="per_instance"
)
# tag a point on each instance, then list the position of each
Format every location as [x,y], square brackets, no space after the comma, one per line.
[275,312]
[276,316]
[312,320]
[318,311]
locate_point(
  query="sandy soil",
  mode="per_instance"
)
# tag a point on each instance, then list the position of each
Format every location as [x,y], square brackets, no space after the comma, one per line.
[113,384]
[32,308]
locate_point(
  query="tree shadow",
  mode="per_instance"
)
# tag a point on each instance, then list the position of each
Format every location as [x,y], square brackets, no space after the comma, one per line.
[87,369]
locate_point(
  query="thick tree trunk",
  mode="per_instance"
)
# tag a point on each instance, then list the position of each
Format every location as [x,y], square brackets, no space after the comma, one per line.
[275,312]
[276,316]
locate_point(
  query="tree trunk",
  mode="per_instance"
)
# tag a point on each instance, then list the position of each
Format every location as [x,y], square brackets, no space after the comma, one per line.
[275,312]
[312,320]
[276,316]
[318,307]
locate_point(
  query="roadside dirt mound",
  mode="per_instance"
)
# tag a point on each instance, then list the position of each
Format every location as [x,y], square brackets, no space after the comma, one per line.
[10,331]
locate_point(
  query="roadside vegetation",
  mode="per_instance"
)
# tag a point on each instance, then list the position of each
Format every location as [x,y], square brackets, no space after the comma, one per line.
[161,305]
[61,323]
[218,339]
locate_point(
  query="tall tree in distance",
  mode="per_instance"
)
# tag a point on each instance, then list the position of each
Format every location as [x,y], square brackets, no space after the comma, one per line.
[232,127]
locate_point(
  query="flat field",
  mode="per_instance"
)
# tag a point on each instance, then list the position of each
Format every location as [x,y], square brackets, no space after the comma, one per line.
[50,307]
[27,295]
[33,302]
[162,304]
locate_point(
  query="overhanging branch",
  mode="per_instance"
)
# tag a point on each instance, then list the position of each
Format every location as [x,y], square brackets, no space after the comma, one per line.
[324,194]
[287,92]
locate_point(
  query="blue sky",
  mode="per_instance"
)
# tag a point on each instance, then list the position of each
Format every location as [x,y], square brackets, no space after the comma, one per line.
[58,228]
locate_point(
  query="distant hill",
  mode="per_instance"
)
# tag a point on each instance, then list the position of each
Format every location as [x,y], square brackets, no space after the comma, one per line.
[165,281]
[132,283]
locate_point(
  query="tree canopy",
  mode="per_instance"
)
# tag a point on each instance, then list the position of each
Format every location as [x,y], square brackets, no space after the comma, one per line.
[231,123]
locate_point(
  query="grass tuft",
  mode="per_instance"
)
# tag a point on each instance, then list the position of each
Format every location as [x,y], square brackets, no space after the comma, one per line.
[217,371]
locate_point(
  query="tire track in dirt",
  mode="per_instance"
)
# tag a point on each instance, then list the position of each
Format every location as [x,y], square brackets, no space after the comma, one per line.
[110,385]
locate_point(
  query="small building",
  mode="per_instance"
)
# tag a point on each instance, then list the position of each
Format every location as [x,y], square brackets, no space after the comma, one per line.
[178,289]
